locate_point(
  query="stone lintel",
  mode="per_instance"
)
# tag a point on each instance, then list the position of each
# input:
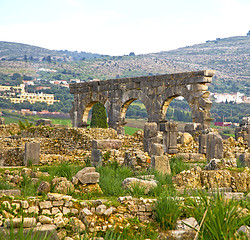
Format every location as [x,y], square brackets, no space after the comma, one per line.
[195,77]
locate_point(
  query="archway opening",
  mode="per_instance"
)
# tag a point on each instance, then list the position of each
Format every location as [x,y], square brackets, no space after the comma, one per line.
[95,115]
[177,109]
[134,115]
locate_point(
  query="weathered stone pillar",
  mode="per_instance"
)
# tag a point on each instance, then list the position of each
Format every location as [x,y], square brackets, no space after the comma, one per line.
[161,164]
[113,116]
[99,145]
[157,149]
[248,131]
[150,136]
[214,146]
[1,121]
[203,143]
[32,153]
[96,157]
[192,127]
[170,137]
[245,159]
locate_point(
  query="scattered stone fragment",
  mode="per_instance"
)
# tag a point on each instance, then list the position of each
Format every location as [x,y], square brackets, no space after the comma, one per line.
[146,185]
[44,187]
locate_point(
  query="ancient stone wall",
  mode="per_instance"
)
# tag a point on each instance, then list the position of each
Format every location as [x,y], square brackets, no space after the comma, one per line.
[155,92]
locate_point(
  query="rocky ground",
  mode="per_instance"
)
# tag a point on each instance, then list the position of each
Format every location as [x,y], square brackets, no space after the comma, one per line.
[67,197]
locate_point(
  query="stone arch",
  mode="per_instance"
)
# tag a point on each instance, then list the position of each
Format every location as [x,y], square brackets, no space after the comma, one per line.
[81,111]
[170,94]
[130,96]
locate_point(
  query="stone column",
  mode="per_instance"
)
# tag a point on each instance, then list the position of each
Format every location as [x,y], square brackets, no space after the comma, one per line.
[203,143]
[170,137]
[1,121]
[113,116]
[214,146]
[150,136]
[161,164]
[248,132]
[32,153]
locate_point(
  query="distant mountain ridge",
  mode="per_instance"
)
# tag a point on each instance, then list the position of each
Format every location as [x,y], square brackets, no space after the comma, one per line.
[229,57]
[12,51]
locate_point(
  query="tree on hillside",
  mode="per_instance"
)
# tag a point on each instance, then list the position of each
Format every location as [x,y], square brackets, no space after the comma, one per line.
[99,116]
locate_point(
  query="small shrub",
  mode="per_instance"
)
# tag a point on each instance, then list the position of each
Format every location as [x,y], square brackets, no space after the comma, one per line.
[25,125]
[239,163]
[29,162]
[99,116]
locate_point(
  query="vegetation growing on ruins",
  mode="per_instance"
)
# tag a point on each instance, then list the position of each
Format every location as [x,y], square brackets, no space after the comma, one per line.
[65,152]
[221,216]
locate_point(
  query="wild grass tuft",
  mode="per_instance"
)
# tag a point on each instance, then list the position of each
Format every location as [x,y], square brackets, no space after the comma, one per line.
[168,209]
[65,169]
[136,190]
[222,219]
[177,165]
[111,178]
[164,181]
[23,234]
[5,186]
[28,188]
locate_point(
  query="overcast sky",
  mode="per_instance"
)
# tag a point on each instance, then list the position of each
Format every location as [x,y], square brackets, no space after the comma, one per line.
[118,27]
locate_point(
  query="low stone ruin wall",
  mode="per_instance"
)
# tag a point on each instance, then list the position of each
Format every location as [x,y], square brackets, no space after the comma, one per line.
[197,178]
[8,130]
[61,210]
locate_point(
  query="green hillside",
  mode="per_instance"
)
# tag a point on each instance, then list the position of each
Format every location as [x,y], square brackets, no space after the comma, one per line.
[229,57]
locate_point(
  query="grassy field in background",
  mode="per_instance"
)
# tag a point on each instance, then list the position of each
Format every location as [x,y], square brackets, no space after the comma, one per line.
[33,119]
[131,130]
[66,122]
[131,127]
[9,120]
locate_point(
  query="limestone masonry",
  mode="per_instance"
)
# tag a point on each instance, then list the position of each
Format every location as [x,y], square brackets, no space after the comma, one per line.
[155,92]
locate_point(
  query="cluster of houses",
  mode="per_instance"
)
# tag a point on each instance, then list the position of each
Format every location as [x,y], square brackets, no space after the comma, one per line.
[230,97]
[17,94]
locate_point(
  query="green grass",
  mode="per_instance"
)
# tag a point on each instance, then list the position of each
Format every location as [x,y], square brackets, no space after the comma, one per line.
[222,217]
[229,134]
[5,186]
[64,169]
[131,130]
[111,178]
[177,165]
[66,122]
[28,188]
[24,234]
[9,120]
[168,210]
